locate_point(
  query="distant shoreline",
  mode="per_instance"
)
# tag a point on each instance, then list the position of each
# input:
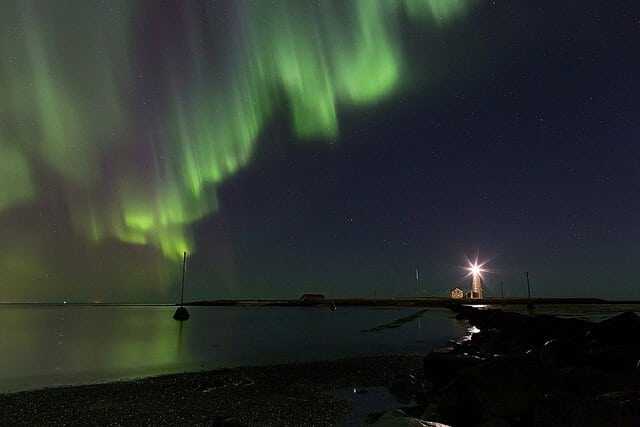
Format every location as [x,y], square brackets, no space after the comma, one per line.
[408,302]
[446,302]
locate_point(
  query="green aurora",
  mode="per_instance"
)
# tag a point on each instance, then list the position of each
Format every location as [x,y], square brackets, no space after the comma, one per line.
[135,151]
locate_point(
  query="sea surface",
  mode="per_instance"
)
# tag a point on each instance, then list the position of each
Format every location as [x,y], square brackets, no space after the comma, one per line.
[58,345]
[590,312]
[49,345]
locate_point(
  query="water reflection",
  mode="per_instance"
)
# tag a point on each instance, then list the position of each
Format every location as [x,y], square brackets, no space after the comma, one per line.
[591,312]
[50,345]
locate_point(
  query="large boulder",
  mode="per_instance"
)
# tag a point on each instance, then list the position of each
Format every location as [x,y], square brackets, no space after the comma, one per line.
[460,405]
[442,368]
[564,409]
[621,357]
[547,325]
[501,388]
[497,341]
[560,352]
[404,387]
[585,381]
[399,418]
[622,329]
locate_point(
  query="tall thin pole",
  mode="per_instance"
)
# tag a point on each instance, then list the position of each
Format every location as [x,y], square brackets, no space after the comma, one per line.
[416,282]
[184,263]
[528,287]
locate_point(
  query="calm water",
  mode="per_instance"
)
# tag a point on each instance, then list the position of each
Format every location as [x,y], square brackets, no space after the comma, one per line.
[54,345]
[590,312]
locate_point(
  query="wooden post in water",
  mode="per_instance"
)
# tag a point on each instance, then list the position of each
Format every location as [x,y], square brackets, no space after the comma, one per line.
[184,264]
[182,313]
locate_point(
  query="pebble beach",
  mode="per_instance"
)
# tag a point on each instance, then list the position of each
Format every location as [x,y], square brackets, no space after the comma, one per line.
[282,395]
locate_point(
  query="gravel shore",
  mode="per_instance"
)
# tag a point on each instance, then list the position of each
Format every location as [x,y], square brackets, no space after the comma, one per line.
[281,395]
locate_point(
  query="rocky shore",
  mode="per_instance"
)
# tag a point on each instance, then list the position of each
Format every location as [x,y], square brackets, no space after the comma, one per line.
[521,370]
[517,370]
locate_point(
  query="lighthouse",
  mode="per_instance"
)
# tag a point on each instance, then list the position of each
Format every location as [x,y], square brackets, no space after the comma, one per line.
[476,281]
[476,286]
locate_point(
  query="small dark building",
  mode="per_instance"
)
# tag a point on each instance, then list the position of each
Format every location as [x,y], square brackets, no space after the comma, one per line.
[312,298]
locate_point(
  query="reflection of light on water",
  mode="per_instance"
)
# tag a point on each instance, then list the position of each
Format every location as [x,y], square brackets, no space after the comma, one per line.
[470,331]
[60,356]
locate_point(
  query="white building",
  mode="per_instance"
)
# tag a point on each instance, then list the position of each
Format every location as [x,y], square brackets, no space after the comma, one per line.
[457,293]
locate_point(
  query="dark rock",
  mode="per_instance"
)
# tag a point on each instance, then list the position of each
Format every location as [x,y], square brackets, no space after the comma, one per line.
[558,409]
[426,396]
[524,351]
[499,388]
[496,341]
[399,418]
[622,328]
[373,417]
[589,382]
[627,401]
[622,396]
[227,422]
[614,357]
[548,325]
[460,404]
[432,409]
[496,422]
[404,387]
[563,370]
[509,387]
[423,397]
[442,368]
[561,352]
[564,409]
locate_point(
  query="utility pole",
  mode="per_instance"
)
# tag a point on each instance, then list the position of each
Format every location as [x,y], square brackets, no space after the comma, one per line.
[529,304]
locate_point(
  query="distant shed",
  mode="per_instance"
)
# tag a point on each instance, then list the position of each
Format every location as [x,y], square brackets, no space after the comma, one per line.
[312,298]
[457,293]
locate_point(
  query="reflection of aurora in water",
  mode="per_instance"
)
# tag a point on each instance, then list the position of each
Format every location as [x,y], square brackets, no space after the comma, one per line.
[77,344]
[132,118]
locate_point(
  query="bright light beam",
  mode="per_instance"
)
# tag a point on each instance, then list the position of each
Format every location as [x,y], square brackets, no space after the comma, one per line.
[476,268]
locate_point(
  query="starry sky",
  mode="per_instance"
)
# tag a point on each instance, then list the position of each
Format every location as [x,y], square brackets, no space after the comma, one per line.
[303,146]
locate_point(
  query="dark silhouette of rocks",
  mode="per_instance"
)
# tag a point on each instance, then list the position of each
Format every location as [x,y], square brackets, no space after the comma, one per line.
[533,371]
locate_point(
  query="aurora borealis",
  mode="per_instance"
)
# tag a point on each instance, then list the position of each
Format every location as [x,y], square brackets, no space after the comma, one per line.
[122,123]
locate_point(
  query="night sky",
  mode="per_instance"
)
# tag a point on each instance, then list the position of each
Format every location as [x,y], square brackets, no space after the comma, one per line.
[303,146]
